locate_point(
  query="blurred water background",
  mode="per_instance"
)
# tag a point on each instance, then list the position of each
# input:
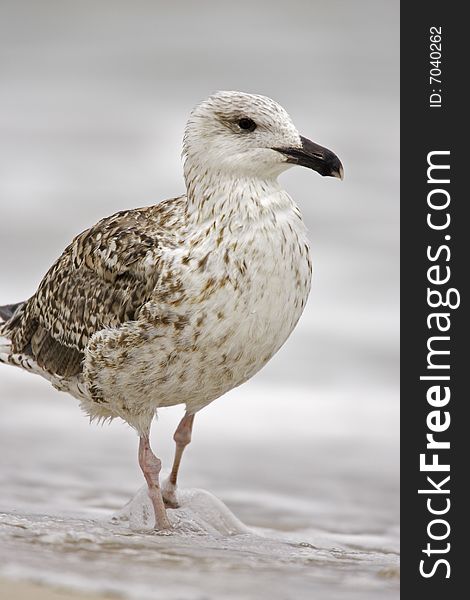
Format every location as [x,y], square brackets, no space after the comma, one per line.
[94,97]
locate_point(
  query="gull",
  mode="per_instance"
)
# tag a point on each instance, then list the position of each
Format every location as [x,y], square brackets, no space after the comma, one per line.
[179,302]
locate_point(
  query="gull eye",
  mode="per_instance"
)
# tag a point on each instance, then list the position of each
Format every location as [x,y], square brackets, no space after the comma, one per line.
[247,124]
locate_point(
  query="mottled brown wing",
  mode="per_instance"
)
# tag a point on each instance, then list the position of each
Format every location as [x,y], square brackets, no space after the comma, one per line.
[101,280]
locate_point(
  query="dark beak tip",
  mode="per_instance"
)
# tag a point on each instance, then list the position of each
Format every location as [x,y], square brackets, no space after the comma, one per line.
[315,157]
[338,173]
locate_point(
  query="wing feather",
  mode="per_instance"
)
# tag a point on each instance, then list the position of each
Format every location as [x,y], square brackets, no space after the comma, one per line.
[101,280]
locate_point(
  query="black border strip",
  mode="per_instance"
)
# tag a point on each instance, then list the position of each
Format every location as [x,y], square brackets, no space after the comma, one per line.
[425,129]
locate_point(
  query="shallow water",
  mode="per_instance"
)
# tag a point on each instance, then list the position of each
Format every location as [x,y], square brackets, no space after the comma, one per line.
[97,555]
[306,514]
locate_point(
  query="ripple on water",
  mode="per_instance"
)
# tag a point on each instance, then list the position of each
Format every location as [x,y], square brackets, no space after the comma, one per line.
[208,548]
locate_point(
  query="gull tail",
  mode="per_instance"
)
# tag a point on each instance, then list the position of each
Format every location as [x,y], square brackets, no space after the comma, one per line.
[7,322]
[11,318]
[7,311]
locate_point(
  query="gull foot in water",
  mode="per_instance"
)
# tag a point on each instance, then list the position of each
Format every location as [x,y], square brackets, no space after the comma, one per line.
[182,438]
[169,495]
[151,466]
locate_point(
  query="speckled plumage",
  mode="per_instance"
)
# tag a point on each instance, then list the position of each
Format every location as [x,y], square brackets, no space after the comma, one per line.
[182,301]
[147,309]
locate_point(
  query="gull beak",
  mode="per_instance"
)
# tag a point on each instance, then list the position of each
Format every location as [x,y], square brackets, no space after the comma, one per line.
[314,157]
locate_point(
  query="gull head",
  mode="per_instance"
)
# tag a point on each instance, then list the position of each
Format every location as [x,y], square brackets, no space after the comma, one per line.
[247,135]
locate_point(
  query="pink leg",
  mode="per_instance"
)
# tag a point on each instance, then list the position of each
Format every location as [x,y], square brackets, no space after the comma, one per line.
[151,466]
[182,438]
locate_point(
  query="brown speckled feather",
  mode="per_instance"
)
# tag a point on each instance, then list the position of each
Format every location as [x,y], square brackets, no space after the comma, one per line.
[101,280]
[180,302]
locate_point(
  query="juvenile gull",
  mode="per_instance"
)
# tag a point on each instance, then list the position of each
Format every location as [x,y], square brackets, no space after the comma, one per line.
[179,302]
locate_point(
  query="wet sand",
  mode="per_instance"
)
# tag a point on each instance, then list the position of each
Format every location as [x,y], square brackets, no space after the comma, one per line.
[24,590]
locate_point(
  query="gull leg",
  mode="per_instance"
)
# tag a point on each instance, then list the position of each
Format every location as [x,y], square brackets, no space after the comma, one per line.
[151,466]
[182,438]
